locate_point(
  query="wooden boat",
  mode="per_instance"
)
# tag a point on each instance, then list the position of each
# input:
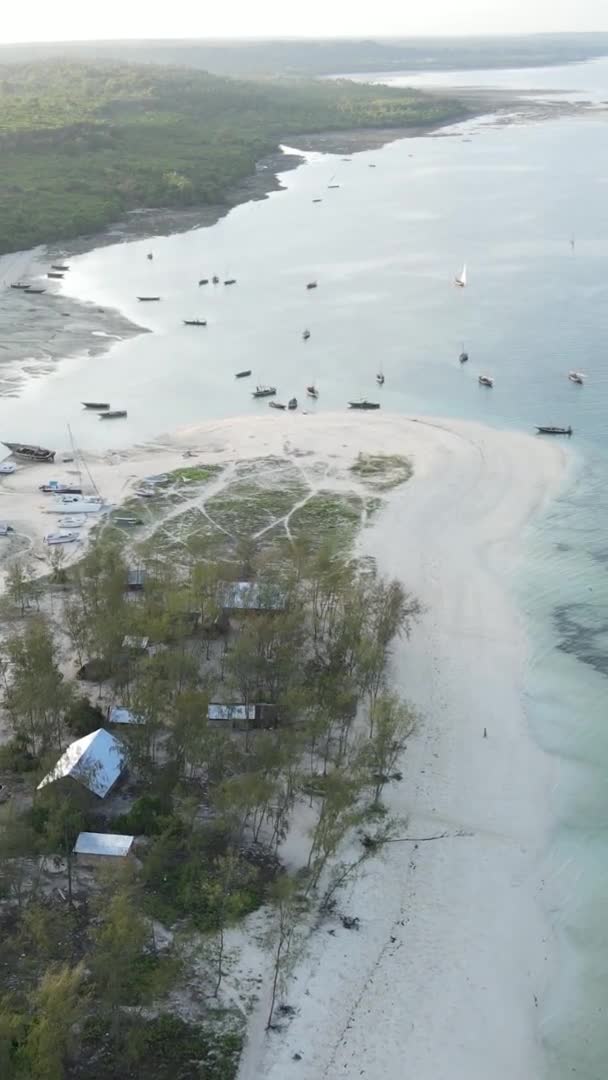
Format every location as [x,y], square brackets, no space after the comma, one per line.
[306,335]
[147,299]
[312,391]
[485,380]
[99,406]
[292,403]
[150,256]
[461,278]
[215,279]
[128,522]
[576,377]
[57,488]
[64,537]
[317,200]
[20,285]
[35,292]
[54,274]
[204,281]
[363,404]
[243,374]
[550,430]
[264,391]
[7,468]
[30,453]
[380,379]
[275,405]
[311,285]
[230,281]
[58,266]
[464,356]
[331,186]
[113,414]
[195,322]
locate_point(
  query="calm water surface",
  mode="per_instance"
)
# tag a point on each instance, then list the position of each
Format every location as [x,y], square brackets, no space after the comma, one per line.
[384,248]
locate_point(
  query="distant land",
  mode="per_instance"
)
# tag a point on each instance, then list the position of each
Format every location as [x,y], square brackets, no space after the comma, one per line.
[83,142]
[331,56]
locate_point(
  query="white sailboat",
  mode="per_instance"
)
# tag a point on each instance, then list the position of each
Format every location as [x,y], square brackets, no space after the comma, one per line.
[461,278]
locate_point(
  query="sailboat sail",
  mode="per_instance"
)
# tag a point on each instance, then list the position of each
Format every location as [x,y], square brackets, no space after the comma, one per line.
[461,278]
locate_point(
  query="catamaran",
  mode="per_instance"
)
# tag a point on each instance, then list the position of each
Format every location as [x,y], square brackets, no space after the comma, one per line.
[461,278]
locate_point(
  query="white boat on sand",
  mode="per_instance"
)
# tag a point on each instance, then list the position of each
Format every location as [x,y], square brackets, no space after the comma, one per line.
[63,537]
[461,278]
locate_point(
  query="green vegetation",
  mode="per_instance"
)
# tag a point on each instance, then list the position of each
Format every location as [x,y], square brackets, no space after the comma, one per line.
[383,471]
[83,142]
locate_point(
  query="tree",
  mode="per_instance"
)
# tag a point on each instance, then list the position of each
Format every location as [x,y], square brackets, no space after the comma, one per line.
[37,695]
[283,938]
[58,1003]
[21,586]
[395,722]
[227,901]
[119,945]
[338,813]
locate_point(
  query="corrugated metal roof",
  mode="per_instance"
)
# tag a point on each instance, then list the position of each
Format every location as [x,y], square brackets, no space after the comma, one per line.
[97,843]
[95,761]
[231,712]
[248,596]
[119,714]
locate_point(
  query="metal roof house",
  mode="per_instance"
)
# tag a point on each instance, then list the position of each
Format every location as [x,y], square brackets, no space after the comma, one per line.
[96,761]
[119,714]
[250,596]
[242,717]
[136,577]
[91,846]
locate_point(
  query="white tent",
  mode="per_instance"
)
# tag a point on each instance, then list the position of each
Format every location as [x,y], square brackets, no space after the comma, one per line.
[95,761]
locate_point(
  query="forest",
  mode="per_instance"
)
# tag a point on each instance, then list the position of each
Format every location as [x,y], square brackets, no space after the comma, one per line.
[84,142]
[118,971]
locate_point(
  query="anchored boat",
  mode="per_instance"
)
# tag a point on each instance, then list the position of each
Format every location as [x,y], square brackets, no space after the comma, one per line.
[99,406]
[195,322]
[461,278]
[113,414]
[363,404]
[485,380]
[243,374]
[552,430]
[30,453]
[264,391]
[576,377]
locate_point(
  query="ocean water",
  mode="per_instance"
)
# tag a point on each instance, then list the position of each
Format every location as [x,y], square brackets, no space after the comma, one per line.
[384,248]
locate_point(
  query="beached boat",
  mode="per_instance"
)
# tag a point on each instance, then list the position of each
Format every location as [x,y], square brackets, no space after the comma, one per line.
[56,487]
[128,522]
[312,391]
[64,537]
[485,380]
[576,377]
[464,356]
[73,521]
[230,281]
[5,528]
[215,279]
[7,468]
[58,266]
[380,379]
[461,278]
[35,292]
[76,504]
[204,281]
[311,285]
[147,299]
[97,405]
[551,430]
[363,404]
[264,391]
[306,335]
[113,414]
[293,403]
[275,405]
[195,322]
[54,274]
[145,492]
[243,374]
[30,453]
[20,285]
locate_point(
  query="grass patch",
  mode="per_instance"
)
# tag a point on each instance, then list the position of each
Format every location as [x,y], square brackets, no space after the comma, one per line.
[383,470]
[198,473]
[327,515]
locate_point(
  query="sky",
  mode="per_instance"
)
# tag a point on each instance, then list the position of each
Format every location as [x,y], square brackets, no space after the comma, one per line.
[76,20]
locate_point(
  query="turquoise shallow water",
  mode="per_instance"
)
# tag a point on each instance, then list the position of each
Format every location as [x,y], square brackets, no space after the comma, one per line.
[384,248]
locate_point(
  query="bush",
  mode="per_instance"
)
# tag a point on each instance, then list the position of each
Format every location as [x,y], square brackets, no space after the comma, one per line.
[82,717]
[150,815]
[15,757]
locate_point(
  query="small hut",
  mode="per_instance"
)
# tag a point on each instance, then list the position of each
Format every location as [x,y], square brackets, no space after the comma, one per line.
[96,849]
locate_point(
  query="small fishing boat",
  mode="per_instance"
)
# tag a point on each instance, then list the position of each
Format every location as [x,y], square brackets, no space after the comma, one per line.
[576,377]
[99,406]
[293,403]
[30,453]
[73,521]
[113,414]
[551,430]
[150,256]
[485,380]
[380,379]
[275,405]
[312,391]
[331,183]
[204,281]
[371,166]
[195,322]
[306,335]
[128,522]
[230,281]
[464,356]
[64,537]
[58,266]
[243,374]
[145,492]
[35,292]
[461,278]
[264,391]
[317,200]
[20,285]
[56,487]
[311,285]
[54,274]
[363,404]
[147,299]
[215,279]
[7,468]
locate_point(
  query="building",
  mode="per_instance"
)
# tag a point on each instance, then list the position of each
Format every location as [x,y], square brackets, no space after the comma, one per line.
[96,761]
[136,578]
[93,848]
[119,714]
[236,596]
[239,717]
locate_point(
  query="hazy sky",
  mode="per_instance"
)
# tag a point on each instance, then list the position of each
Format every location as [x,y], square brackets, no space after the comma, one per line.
[63,20]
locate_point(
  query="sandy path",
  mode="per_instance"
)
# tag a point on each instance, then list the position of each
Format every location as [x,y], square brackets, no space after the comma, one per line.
[446,977]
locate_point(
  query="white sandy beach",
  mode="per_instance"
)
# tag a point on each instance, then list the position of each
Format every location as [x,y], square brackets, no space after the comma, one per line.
[445,979]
